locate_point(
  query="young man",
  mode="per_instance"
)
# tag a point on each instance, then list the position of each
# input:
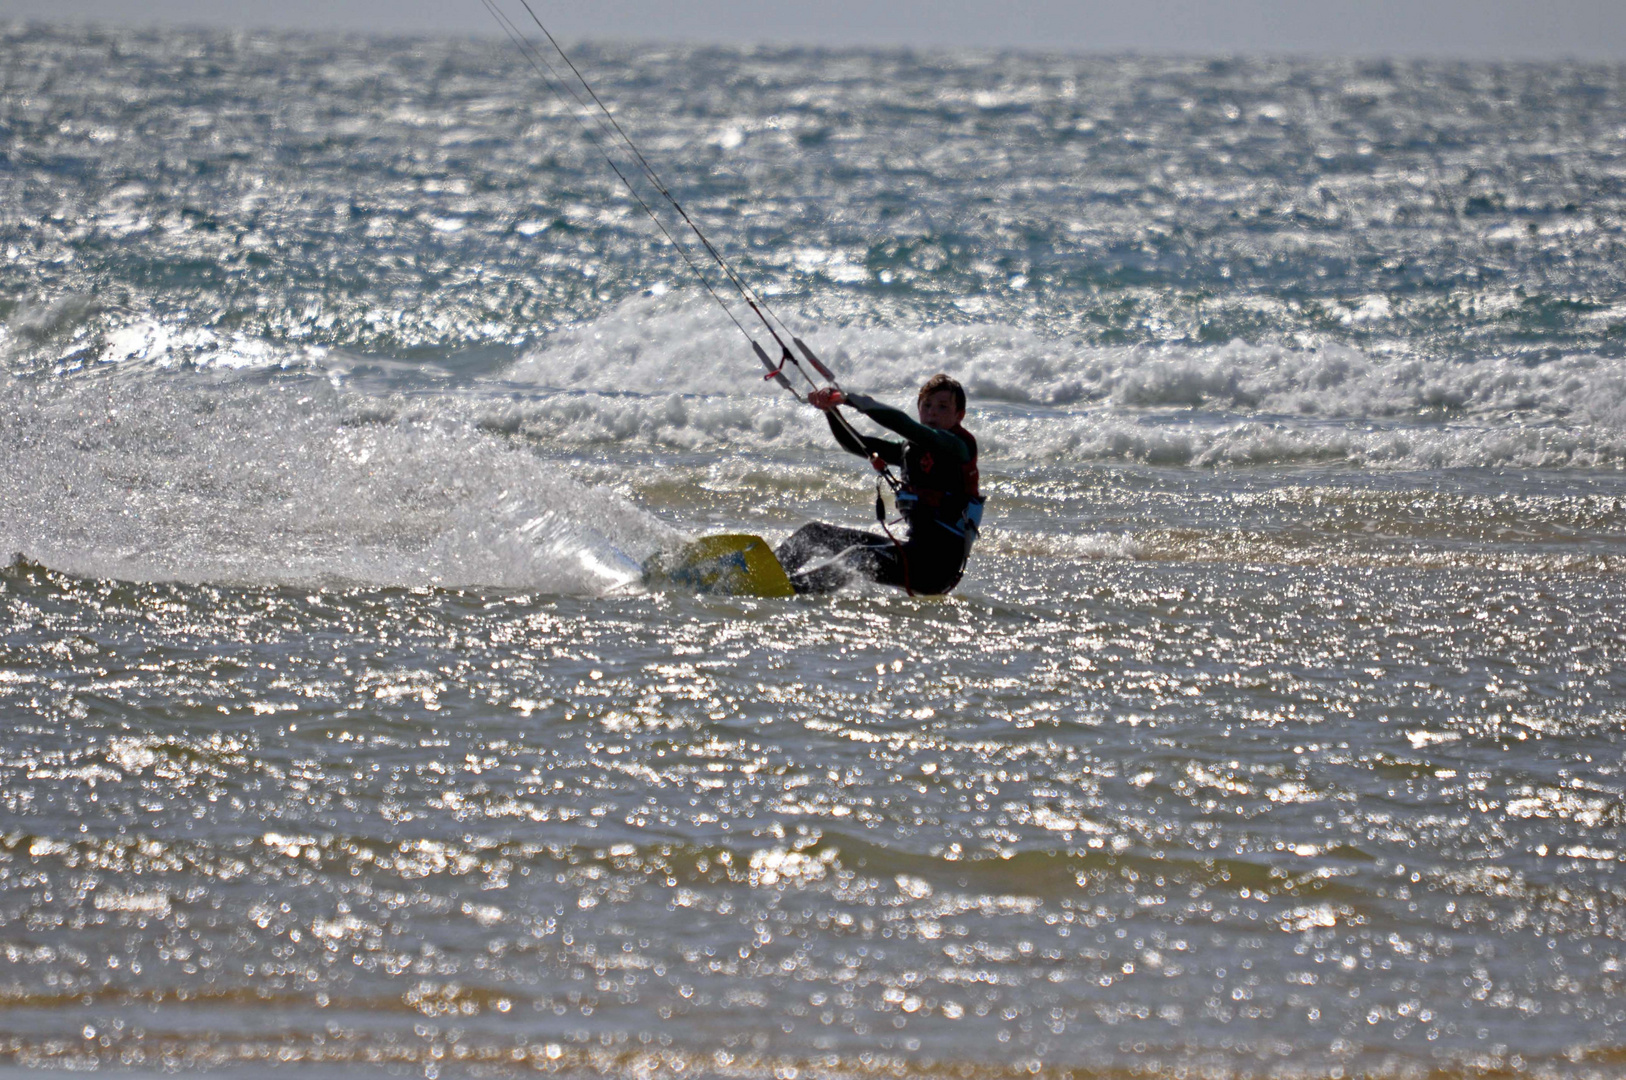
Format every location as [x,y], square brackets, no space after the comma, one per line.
[938,498]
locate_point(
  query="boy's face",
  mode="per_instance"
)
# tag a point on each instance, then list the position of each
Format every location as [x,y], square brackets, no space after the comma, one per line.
[937,410]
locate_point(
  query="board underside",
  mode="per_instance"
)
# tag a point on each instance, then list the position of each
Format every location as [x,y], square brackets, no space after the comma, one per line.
[733,564]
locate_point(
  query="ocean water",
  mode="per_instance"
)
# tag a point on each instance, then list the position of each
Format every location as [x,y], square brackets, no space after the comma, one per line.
[1276,729]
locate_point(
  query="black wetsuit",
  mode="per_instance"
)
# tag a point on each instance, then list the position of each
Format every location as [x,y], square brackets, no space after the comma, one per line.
[939,486]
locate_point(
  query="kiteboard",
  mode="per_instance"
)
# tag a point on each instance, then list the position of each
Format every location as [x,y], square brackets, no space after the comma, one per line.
[732,564]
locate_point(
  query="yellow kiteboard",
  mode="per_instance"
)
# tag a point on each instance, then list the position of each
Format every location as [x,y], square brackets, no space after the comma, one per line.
[732,564]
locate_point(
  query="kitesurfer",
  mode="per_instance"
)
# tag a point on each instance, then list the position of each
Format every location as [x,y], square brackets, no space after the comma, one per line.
[937,496]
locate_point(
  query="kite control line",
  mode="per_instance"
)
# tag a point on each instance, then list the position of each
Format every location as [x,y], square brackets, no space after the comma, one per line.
[610,134]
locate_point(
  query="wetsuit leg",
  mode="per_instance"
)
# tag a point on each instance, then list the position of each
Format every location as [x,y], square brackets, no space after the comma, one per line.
[931,569]
[835,555]
[925,569]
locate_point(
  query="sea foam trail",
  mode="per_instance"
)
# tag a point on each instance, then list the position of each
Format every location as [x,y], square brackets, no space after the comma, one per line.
[238,481]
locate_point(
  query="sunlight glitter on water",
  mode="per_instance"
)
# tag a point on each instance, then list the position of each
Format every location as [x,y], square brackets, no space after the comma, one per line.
[494,820]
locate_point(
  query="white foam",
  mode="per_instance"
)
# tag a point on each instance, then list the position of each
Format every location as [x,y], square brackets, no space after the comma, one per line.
[667,371]
[295,483]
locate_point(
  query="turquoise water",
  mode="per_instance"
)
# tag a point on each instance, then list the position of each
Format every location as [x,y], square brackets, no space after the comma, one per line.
[1275,730]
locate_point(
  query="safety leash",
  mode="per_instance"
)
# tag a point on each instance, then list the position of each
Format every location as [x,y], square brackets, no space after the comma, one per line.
[880,516]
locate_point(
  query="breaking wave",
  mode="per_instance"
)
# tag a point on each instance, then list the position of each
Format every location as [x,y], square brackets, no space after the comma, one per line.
[661,371]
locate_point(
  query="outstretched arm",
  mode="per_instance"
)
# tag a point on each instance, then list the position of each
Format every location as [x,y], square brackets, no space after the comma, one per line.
[937,440]
[863,445]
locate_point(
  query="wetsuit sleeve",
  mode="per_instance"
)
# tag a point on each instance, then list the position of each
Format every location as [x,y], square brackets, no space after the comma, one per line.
[863,445]
[938,441]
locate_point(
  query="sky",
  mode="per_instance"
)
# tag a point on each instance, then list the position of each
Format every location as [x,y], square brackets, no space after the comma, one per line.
[1479,29]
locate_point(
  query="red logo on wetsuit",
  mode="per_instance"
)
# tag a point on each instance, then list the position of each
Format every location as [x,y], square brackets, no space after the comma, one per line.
[925,463]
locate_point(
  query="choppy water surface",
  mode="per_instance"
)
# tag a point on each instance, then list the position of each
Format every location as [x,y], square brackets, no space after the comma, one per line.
[1275,731]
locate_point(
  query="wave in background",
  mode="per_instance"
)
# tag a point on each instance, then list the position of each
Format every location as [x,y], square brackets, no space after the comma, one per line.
[667,371]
